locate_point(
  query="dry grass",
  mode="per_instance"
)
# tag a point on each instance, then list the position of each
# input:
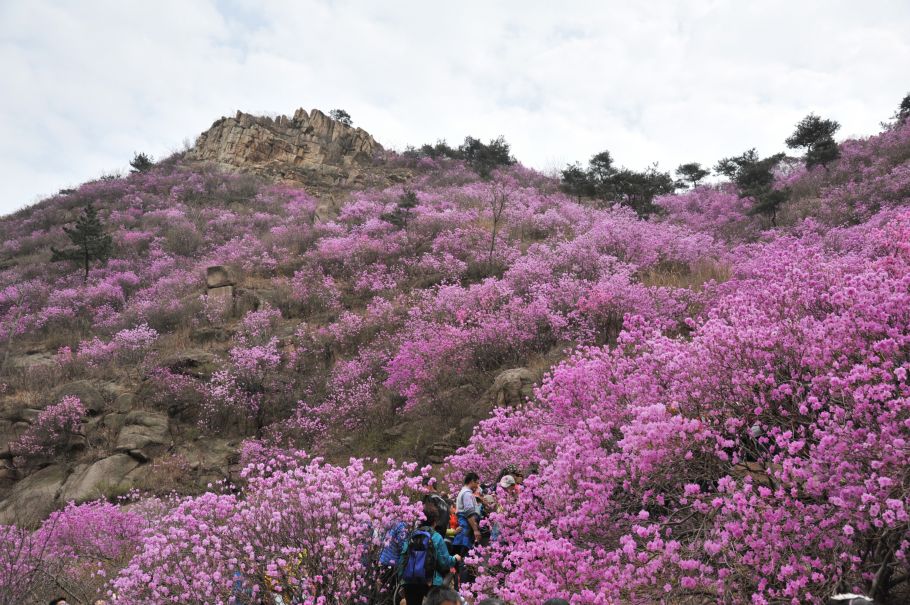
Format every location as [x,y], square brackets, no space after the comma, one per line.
[685,277]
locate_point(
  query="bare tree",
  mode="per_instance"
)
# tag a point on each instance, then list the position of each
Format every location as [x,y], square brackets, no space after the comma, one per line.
[498,201]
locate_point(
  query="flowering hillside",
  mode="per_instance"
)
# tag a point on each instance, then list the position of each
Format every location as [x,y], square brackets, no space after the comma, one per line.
[722,412]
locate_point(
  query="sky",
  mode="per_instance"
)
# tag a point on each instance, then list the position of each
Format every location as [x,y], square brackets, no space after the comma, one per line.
[84,85]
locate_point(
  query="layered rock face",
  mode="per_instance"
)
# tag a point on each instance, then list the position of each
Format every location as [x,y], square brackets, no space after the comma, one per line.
[309,148]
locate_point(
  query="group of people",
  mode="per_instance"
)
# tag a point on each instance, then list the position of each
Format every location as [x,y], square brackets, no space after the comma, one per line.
[429,556]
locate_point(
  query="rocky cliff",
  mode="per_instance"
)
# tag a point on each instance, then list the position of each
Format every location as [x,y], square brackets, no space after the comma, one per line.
[309,148]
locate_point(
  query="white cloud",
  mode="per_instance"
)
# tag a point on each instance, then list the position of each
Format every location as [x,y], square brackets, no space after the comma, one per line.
[86,84]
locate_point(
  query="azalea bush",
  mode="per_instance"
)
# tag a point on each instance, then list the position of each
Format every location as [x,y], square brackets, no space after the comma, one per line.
[52,429]
[755,462]
[304,529]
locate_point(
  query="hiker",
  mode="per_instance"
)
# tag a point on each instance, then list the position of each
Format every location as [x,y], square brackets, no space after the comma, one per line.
[423,557]
[433,498]
[453,521]
[442,596]
[467,510]
[508,489]
[392,545]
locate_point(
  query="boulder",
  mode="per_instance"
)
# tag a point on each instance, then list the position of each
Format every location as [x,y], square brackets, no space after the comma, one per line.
[35,497]
[31,360]
[8,474]
[245,301]
[205,334]
[144,435]
[513,387]
[103,478]
[90,395]
[124,403]
[192,362]
[221,298]
[218,276]
[7,435]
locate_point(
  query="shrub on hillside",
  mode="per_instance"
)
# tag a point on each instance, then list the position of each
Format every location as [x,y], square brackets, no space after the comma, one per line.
[51,431]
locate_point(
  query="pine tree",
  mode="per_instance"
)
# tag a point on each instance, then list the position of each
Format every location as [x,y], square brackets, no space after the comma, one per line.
[484,158]
[340,115]
[575,181]
[141,163]
[401,215]
[692,173]
[903,110]
[90,243]
[817,136]
[754,178]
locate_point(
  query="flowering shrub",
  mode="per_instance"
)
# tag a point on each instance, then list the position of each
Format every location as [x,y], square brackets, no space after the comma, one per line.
[127,347]
[226,402]
[258,327]
[304,529]
[51,430]
[663,460]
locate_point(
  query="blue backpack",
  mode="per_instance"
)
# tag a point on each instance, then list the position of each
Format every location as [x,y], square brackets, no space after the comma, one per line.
[420,562]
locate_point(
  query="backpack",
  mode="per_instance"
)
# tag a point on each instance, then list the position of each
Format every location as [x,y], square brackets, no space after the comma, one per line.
[420,562]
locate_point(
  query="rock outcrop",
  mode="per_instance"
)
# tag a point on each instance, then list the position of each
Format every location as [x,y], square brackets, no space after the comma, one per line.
[309,148]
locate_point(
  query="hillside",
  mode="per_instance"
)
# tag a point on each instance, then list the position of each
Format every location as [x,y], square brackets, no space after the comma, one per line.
[708,407]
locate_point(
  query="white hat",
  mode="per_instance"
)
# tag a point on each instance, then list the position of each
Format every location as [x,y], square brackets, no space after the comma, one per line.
[507,481]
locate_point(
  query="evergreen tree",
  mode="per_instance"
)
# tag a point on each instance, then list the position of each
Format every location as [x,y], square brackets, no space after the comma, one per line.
[754,178]
[401,215]
[603,181]
[692,173]
[903,110]
[340,115]
[141,163]
[90,243]
[575,181]
[485,158]
[637,189]
[817,136]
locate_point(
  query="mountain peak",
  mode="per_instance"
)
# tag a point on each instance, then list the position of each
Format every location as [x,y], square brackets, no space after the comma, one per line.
[307,147]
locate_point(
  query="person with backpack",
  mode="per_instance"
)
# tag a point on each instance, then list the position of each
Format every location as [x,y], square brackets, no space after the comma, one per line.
[424,558]
[387,571]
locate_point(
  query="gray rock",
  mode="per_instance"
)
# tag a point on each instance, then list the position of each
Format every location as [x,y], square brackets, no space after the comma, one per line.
[144,435]
[99,480]
[310,147]
[8,475]
[7,435]
[218,276]
[222,298]
[124,403]
[193,362]
[513,387]
[89,394]
[245,301]
[30,360]
[206,334]
[34,497]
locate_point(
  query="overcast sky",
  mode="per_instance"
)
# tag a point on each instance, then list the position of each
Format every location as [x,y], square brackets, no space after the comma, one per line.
[87,83]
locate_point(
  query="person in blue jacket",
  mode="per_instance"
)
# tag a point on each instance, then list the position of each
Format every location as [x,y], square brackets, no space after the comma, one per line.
[414,593]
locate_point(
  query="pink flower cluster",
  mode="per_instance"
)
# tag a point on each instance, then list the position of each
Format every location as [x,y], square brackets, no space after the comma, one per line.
[753,462]
[51,429]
